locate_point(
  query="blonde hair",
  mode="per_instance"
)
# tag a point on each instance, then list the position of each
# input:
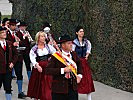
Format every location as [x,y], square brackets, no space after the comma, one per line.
[38,34]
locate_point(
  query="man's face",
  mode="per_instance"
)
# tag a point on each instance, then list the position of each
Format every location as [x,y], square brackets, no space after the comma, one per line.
[22,28]
[67,46]
[12,27]
[7,23]
[2,34]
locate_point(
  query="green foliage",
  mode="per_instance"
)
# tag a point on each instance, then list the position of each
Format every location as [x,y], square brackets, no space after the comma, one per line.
[5,16]
[107,24]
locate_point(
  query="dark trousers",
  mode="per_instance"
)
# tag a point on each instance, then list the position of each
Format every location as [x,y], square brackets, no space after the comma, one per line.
[6,79]
[18,70]
[71,95]
[27,62]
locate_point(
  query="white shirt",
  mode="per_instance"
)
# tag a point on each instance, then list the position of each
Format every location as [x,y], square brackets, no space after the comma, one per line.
[62,69]
[23,33]
[67,53]
[12,32]
[40,52]
[3,43]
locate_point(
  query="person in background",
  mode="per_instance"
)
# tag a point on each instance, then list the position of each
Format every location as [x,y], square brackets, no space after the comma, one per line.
[17,39]
[8,55]
[49,35]
[27,39]
[5,23]
[40,84]
[82,47]
[64,83]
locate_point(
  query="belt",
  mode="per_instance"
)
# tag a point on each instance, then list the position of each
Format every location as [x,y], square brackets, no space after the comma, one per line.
[41,58]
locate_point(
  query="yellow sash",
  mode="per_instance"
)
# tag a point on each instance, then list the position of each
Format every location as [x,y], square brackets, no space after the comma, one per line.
[58,56]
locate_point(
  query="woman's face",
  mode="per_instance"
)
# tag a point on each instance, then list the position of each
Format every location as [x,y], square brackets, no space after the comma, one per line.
[41,38]
[80,33]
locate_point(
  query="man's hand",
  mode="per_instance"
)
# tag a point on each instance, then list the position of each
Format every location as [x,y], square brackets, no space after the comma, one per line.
[16,44]
[67,70]
[26,35]
[11,65]
[78,79]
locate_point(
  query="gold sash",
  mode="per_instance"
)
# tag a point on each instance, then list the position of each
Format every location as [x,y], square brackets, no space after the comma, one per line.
[66,61]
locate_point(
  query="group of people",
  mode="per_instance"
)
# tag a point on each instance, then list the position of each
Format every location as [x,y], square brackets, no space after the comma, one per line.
[15,34]
[60,70]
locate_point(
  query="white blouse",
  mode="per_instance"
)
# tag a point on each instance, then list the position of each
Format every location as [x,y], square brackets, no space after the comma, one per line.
[79,44]
[40,52]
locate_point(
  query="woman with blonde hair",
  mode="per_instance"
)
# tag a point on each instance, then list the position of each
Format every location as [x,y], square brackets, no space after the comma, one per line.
[39,83]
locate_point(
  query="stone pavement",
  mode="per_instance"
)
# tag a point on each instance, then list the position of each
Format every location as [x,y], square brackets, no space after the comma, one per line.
[103,92]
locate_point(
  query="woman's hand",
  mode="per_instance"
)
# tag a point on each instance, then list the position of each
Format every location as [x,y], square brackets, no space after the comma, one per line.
[39,68]
[87,55]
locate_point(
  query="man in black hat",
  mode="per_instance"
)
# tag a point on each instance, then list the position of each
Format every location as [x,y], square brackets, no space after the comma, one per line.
[8,55]
[27,39]
[17,39]
[64,84]
[5,22]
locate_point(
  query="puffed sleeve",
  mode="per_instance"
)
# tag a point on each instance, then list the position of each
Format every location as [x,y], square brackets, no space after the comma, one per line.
[73,47]
[88,47]
[33,57]
[52,49]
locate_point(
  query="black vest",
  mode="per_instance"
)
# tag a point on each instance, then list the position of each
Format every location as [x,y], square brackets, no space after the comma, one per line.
[81,50]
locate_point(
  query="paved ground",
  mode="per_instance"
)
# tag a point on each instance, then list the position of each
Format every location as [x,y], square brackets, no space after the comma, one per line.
[103,92]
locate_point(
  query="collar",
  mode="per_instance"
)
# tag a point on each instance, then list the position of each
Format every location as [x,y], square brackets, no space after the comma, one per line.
[66,53]
[21,31]
[11,31]
[1,42]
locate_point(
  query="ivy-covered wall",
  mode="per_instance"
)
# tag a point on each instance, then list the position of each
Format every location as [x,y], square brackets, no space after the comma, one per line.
[108,25]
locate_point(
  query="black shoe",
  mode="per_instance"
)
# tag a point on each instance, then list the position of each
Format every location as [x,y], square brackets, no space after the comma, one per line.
[21,95]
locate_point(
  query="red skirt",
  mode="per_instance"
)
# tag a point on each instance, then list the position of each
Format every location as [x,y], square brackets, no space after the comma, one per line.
[86,85]
[40,84]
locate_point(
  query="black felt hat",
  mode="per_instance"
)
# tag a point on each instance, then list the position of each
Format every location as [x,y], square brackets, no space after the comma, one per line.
[2,28]
[22,24]
[13,21]
[4,20]
[64,38]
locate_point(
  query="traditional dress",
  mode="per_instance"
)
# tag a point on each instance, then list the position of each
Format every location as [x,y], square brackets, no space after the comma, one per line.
[86,85]
[39,83]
